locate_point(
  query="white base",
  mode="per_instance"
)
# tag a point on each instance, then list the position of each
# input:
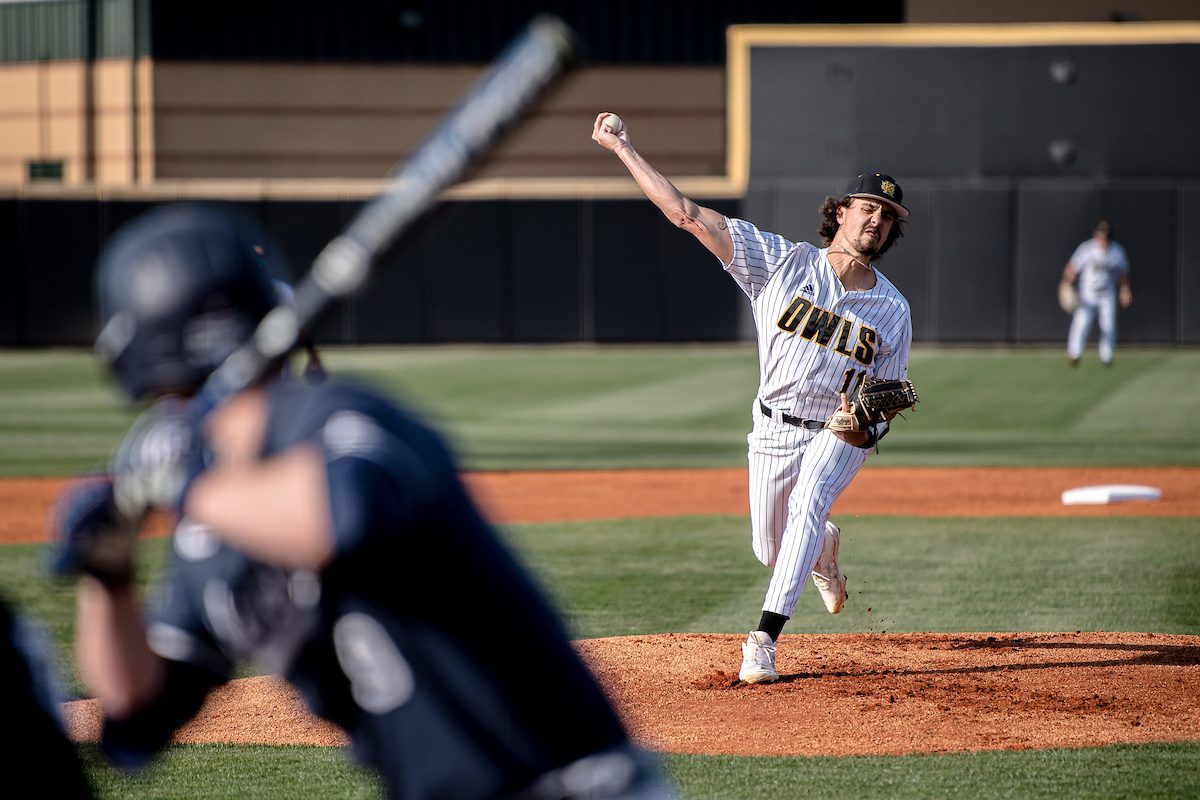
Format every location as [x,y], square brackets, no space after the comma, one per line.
[1111,493]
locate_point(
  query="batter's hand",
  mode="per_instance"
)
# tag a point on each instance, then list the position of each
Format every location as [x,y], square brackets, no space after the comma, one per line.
[91,537]
[161,455]
[602,136]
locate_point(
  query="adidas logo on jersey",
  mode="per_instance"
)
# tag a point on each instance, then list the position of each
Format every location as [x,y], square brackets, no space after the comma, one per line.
[807,288]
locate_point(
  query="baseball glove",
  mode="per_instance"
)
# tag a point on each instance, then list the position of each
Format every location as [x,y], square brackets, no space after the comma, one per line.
[1068,297]
[878,400]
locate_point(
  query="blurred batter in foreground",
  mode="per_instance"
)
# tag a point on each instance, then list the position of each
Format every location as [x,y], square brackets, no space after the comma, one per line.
[324,535]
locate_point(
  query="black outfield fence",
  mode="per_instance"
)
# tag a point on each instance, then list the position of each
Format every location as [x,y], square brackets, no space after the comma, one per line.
[478,271]
[979,264]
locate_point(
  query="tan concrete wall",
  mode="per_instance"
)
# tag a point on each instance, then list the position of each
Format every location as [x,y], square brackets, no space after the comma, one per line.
[144,127]
[43,116]
[113,121]
[41,108]
[217,121]
[357,121]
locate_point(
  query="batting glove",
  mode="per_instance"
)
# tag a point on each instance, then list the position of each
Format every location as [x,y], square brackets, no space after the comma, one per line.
[92,536]
[160,457]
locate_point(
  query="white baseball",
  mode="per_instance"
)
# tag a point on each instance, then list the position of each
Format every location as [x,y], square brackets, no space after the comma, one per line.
[613,123]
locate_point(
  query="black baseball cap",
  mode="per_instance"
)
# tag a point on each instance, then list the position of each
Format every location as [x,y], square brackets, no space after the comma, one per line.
[878,186]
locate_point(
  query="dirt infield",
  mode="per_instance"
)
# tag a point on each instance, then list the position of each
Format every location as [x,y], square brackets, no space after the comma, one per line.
[516,497]
[839,695]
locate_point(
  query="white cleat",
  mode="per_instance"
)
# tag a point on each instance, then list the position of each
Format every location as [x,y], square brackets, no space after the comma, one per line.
[827,575]
[758,659]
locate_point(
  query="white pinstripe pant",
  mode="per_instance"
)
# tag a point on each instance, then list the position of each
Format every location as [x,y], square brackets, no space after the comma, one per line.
[1103,307]
[795,477]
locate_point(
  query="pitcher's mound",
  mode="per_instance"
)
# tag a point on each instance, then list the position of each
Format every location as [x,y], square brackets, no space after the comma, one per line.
[904,693]
[837,695]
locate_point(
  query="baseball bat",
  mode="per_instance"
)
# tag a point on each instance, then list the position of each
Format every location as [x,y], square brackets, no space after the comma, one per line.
[472,129]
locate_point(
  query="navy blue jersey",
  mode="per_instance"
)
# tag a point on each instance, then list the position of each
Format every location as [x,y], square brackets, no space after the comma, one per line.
[39,753]
[422,637]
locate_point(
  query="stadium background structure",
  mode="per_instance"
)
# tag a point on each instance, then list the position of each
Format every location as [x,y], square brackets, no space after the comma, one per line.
[1049,133]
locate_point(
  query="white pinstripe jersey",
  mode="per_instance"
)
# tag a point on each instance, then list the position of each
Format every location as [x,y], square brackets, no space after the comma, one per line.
[1100,268]
[815,338]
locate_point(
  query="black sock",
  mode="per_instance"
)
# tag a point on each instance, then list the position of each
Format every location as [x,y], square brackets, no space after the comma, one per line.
[772,624]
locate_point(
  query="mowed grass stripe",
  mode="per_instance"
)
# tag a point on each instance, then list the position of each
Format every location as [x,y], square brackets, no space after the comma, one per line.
[1147,772]
[1143,772]
[1027,407]
[697,574]
[979,406]
[219,771]
[586,407]
[1175,383]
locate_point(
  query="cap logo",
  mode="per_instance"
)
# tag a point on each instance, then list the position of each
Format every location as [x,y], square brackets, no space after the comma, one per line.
[888,188]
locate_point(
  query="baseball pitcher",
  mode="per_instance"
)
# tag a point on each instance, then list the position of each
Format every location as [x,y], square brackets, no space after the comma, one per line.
[833,343]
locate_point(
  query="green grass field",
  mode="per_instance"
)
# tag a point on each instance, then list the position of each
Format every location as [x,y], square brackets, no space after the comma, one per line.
[600,407]
[586,407]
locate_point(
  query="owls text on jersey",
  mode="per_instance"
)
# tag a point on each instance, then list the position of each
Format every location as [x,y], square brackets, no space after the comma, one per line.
[815,338]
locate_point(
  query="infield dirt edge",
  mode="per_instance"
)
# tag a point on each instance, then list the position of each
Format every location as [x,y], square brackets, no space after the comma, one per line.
[852,694]
[839,695]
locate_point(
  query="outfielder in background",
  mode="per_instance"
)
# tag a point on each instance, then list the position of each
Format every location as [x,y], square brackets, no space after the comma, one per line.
[1102,270]
[827,320]
[325,535]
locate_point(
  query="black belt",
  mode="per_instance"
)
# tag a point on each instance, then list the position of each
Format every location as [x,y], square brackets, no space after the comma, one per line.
[807,424]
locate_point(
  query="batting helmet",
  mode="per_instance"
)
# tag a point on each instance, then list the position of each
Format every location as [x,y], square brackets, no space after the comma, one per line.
[179,289]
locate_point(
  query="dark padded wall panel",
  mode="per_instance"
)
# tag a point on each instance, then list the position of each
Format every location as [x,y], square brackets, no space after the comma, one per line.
[969,268]
[62,238]
[11,309]
[979,263]
[1187,304]
[309,225]
[548,268]
[1144,222]
[629,278]
[478,271]
[943,111]
[1111,110]
[907,263]
[116,213]
[760,205]
[700,302]
[801,107]
[796,210]
[394,306]
[468,275]
[835,111]
[1052,219]
[972,275]
[969,133]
